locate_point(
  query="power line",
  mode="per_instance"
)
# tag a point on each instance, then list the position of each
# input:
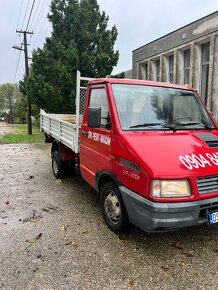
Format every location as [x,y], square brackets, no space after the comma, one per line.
[34,15]
[18,62]
[13,67]
[47,29]
[19,14]
[21,69]
[40,12]
[40,30]
[27,74]
[30,14]
[25,14]
[17,67]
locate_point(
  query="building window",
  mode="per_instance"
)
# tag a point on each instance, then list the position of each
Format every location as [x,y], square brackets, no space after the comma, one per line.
[186,71]
[205,56]
[171,68]
[157,65]
[143,71]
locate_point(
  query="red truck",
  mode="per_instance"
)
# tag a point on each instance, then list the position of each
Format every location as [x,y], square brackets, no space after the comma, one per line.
[149,148]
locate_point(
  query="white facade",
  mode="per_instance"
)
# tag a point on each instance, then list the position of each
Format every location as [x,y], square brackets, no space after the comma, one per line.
[188,55]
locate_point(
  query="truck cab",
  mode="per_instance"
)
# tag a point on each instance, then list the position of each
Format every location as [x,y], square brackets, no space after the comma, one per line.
[151,150]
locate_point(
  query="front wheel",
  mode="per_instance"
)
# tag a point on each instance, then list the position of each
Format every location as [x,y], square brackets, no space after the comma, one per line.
[113,209]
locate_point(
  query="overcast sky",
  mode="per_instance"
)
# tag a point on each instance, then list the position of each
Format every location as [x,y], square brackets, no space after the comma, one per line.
[138,22]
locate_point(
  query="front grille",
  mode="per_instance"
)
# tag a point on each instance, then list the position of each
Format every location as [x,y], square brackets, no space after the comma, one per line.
[207,184]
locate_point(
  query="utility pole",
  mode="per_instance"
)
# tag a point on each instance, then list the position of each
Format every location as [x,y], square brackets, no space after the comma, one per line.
[29,121]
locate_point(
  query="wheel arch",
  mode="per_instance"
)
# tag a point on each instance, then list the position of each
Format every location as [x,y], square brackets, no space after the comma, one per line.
[55,147]
[103,177]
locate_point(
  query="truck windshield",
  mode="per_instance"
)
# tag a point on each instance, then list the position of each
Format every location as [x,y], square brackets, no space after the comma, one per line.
[142,107]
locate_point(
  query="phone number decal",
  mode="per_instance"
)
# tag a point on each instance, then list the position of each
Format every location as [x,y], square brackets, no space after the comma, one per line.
[201,160]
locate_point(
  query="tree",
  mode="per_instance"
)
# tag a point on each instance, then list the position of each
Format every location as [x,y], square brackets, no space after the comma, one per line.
[20,110]
[80,40]
[8,96]
[119,76]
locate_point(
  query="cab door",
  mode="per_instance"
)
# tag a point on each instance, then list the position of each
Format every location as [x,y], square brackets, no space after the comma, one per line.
[95,143]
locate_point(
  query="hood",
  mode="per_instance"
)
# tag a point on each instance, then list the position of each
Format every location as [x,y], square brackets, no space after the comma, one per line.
[167,154]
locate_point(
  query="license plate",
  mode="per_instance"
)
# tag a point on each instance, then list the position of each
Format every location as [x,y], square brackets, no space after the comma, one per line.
[213,218]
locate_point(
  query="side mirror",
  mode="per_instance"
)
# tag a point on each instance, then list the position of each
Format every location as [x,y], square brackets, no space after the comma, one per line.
[94,117]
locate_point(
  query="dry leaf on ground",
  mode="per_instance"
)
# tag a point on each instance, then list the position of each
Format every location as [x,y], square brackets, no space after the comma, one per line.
[130,283]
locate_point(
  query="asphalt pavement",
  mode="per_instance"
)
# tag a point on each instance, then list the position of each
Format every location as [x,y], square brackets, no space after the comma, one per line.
[52,236]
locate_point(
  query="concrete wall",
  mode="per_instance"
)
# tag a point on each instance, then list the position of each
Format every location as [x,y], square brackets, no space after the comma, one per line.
[191,37]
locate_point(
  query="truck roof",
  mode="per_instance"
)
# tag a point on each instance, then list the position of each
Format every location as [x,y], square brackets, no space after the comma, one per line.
[138,82]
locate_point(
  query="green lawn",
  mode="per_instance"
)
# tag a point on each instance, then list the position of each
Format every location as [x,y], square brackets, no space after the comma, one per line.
[18,133]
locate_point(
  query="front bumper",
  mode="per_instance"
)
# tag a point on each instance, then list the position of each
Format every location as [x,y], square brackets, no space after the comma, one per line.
[156,216]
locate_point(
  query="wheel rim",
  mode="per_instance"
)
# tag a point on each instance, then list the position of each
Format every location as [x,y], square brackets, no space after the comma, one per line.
[112,207]
[55,165]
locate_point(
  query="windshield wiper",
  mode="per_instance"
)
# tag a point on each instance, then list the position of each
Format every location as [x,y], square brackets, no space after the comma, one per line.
[173,127]
[145,125]
[197,123]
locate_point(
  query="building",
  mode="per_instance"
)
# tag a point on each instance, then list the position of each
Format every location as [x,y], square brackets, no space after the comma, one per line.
[128,74]
[188,55]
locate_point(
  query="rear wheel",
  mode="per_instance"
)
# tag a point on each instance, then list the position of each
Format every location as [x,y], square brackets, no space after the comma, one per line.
[113,209]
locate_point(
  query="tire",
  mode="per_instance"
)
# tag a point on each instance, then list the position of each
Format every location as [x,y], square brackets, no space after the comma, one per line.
[113,209]
[57,165]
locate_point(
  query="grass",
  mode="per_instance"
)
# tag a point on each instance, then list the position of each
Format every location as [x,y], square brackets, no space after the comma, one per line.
[18,133]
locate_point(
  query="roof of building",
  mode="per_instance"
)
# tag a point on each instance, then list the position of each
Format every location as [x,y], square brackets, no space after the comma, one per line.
[181,28]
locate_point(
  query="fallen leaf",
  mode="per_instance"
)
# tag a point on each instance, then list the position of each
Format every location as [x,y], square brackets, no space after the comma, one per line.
[125,237]
[84,232]
[71,243]
[209,285]
[177,245]
[49,208]
[30,177]
[165,269]
[197,275]
[188,254]
[124,254]
[65,227]
[130,283]
[215,251]
[68,243]
[57,180]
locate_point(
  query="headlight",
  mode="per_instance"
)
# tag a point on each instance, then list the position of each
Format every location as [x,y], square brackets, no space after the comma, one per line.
[170,188]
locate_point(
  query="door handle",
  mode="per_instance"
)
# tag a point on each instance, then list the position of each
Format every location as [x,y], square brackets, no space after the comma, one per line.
[84,132]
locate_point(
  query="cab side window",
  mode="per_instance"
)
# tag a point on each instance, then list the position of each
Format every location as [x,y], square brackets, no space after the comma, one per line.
[98,99]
